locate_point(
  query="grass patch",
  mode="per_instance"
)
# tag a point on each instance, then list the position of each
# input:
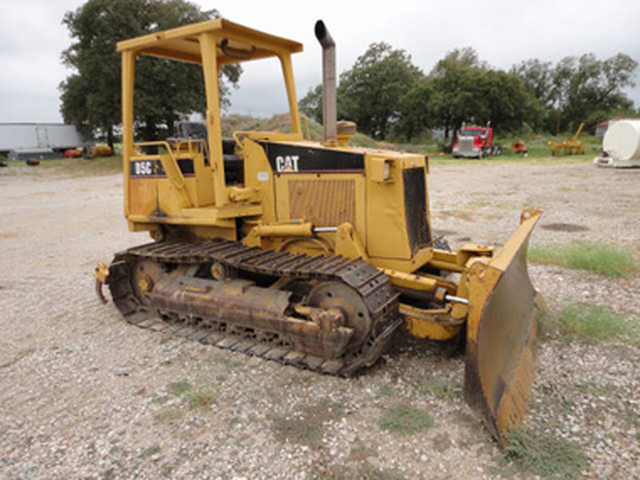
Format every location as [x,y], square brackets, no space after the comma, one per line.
[227,360]
[200,399]
[194,399]
[150,451]
[405,420]
[591,324]
[439,388]
[606,260]
[597,390]
[545,455]
[179,388]
[307,427]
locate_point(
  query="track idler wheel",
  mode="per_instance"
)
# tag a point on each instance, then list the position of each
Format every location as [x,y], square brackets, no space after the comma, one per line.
[336,296]
[145,275]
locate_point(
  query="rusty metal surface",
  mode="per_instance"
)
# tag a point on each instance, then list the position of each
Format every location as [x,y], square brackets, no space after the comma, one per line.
[501,335]
[303,343]
[241,304]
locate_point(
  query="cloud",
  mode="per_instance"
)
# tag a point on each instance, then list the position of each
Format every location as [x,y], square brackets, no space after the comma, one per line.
[503,32]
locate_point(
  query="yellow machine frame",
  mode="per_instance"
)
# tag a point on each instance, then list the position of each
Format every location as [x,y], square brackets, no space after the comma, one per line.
[205,44]
[358,213]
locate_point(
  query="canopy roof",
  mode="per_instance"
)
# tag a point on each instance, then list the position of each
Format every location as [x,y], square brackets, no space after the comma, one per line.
[235,42]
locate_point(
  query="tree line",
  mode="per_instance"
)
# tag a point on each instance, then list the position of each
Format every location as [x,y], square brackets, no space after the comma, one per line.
[383,92]
[389,97]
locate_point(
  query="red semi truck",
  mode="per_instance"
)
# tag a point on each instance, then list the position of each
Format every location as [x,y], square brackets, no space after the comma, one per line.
[473,141]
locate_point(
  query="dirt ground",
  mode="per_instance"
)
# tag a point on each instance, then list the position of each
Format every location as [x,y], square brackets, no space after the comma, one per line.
[84,395]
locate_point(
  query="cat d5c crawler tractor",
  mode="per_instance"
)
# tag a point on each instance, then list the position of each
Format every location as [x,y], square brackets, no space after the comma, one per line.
[307,253]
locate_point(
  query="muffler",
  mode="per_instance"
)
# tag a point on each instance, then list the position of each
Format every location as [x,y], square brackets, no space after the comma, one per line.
[329,84]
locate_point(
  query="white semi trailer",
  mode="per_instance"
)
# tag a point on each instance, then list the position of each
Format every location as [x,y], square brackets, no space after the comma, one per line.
[18,140]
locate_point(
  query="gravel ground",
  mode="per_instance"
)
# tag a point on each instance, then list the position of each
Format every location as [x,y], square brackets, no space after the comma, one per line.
[83,395]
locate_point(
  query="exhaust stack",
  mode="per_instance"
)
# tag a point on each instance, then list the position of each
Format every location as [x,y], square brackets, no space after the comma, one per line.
[329,95]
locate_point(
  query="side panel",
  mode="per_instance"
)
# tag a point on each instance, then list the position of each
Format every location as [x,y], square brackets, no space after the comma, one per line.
[395,208]
[258,174]
[151,191]
[143,196]
[325,203]
[326,200]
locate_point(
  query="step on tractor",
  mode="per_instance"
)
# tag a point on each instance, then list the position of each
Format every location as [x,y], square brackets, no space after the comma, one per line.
[473,141]
[312,254]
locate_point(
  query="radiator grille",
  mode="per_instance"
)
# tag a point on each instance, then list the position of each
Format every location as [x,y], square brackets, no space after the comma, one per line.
[415,206]
[466,144]
[325,203]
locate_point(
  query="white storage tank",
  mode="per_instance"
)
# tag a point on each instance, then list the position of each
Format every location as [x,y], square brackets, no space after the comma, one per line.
[621,145]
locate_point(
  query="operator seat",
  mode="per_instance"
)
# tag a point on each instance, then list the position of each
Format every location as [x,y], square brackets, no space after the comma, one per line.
[233,164]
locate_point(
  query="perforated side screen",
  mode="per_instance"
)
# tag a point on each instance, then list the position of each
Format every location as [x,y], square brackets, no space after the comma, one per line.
[325,203]
[415,202]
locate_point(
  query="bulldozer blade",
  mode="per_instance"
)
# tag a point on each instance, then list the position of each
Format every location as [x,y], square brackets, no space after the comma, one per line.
[501,333]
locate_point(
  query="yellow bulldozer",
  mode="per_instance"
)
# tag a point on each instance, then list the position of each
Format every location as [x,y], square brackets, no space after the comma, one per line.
[308,253]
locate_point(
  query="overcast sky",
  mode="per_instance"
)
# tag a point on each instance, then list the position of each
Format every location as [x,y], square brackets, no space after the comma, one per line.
[503,32]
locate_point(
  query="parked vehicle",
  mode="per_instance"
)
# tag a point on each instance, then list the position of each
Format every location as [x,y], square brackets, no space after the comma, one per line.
[473,141]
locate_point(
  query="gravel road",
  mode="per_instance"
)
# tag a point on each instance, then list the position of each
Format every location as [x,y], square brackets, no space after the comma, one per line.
[84,395]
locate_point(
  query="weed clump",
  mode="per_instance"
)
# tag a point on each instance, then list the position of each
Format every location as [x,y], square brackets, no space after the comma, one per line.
[591,324]
[439,388]
[200,399]
[545,455]
[607,260]
[150,451]
[178,388]
[307,427]
[405,420]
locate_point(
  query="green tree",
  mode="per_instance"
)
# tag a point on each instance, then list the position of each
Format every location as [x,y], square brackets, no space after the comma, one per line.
[538,77]
[311,104]
[458,91]
[579,89]
[462,88]
[591,86]
[509,103]
[370,92]
[415,109]
[458,59]
[90,96]
[466,89]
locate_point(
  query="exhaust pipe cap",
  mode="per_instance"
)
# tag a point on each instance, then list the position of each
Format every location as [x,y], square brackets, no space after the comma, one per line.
[323,35]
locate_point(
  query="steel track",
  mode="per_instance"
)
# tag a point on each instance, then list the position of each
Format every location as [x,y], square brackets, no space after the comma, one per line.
[372,285]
